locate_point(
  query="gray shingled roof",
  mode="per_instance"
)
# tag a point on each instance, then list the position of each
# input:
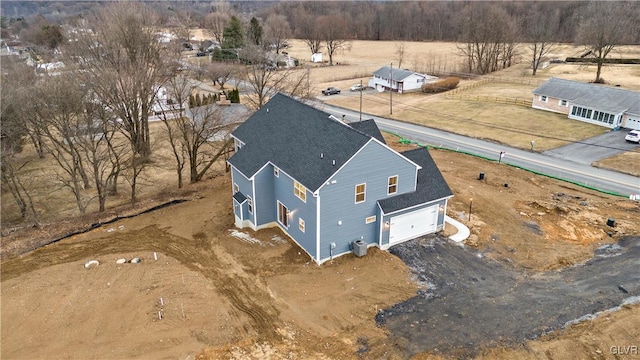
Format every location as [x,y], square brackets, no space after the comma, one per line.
[299,139]
[593,96]
[368,127]
[239,197]
[397,74]
[430,186]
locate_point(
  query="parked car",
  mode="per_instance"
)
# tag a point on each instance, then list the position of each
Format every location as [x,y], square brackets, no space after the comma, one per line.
[330,91]
[201,53]
[357,87]
[633,136]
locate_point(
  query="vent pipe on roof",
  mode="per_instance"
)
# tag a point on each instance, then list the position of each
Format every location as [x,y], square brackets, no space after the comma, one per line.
[333,163]
[321,155]
[267,109]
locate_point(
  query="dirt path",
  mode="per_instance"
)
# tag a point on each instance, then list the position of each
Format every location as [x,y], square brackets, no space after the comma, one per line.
[471,302]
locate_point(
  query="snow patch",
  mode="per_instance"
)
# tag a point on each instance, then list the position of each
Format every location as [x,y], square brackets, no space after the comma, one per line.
[244,237]
[628,301]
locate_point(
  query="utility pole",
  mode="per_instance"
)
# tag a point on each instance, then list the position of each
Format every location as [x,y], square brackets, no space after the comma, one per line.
[361,91]
[391,89]
[308,83]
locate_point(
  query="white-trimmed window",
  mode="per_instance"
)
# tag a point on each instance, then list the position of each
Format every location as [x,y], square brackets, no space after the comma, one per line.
[392,185]
[361,190]
[370,219]
[301,224]
[250,204]
[543,98]
[276,172]
[236,188]
[563,103]
[300,191]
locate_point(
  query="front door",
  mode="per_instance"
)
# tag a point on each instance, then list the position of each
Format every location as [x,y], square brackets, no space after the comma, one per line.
[283,215]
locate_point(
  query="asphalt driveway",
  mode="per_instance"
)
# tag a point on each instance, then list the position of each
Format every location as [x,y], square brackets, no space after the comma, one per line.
[470,302]
[593,149]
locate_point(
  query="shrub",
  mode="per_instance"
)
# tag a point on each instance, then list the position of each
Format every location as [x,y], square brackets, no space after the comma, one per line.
[446,84]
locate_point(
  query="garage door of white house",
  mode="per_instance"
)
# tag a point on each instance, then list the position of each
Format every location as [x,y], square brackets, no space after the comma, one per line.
[411,225]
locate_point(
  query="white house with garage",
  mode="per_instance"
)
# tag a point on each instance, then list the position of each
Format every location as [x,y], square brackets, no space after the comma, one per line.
[602,105]
[334,188]
[398,80]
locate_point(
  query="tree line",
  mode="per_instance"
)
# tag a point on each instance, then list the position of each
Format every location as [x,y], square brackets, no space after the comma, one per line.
[91,118]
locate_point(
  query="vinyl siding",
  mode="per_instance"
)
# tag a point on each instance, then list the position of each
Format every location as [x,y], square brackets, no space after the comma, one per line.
[283,192]
[373,165]
[264,199]
[245,187]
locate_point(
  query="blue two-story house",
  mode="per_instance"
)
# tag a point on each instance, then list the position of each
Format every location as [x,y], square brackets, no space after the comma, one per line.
[327,184]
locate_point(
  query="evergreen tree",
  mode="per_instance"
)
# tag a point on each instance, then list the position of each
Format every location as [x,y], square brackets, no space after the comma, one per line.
[233,35]
[255,32]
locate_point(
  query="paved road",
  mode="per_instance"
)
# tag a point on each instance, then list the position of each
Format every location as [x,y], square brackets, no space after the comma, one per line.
[561,168]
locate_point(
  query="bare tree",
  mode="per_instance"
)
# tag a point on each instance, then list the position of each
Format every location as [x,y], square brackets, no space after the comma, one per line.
[215,23]
[195,133]
[605,25]
[277,32]
[263,81]
[333,32]
[102,149]
[60,105]
[14,131]
[18,115]
[487,39]
[540,28]
[178,90]
[309,32]
[15,181]
[220,72]
[123,64]
[400,51]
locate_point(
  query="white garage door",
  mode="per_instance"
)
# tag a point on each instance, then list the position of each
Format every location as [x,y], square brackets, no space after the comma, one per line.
[632,123]
[413,224]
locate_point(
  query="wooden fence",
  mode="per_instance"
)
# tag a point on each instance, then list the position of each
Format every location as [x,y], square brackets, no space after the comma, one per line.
[495,99]
[456,93]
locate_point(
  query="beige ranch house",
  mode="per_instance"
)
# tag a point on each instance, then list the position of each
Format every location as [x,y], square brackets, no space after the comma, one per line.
[602,105]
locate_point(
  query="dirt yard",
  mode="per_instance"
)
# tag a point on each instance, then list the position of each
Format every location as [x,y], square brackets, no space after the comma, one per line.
[217,293]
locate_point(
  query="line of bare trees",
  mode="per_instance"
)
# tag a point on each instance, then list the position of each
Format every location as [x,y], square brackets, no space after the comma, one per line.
[91,121]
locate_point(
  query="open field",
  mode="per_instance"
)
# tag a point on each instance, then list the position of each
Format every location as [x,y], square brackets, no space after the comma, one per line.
[255,295]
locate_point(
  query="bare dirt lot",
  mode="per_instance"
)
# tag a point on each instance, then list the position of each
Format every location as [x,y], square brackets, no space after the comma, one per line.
[215,293]
[256,295]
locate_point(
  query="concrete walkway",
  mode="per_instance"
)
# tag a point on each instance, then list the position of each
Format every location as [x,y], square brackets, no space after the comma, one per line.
[463,231]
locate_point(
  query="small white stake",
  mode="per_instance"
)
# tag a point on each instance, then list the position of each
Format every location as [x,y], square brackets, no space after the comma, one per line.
[159,315]
[155,256]
[161,302]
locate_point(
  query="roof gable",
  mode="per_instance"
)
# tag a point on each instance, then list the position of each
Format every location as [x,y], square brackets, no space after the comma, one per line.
[368,127]
[591,95]
[431,185]
[304,142]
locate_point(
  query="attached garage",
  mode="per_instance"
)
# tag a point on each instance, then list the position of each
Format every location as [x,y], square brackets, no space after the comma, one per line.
[413,224]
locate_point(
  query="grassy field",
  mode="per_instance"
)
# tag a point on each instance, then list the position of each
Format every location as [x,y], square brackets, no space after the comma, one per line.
[514,125]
